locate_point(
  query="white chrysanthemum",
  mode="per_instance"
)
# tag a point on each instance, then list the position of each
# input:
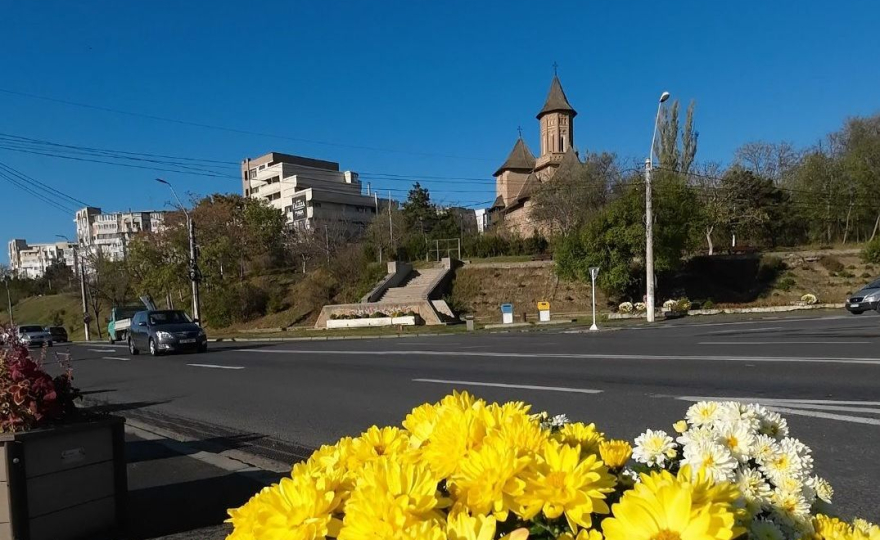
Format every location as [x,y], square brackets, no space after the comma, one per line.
[864,527]
[559,420]
[786,464]
[738,438]
[765,448]
[754,488]
[773,424]
[821,487]
[736,412]
[653,448]
[703,413]
[765,530]
[699,435]
[802,451]
[791,508]
[712,458]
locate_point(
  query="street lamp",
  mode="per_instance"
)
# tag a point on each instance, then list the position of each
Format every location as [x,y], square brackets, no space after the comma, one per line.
[193,263]
[649,217]
[81,270]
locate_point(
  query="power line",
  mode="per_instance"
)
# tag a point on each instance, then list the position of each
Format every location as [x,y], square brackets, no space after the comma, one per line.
[45,187]
[230,129]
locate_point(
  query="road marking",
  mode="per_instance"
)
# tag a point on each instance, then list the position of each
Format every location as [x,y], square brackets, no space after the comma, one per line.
[102,350]
[777,400]
[487,354]
[746,331]
[215,366]
[117,358]
[784,342]
[797,407]
[775,320]
[504,385]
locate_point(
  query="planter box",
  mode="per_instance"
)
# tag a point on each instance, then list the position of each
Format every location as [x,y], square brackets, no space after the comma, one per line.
[63,483]
[377,321]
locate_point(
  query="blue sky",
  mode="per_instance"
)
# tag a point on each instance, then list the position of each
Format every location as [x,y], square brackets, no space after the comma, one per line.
[440,87]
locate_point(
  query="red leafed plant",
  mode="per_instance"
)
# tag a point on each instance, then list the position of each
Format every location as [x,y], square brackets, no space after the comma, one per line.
[29,397]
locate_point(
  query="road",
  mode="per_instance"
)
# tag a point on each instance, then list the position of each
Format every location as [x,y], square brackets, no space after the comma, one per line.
[279,400]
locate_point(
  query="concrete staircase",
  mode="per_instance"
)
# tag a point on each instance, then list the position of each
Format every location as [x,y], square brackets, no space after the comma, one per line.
[417,287]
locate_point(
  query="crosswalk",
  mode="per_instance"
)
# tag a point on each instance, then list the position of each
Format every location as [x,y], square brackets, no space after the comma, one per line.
[859,412]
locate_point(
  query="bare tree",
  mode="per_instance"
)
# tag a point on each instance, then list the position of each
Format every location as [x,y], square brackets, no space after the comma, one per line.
[770,160]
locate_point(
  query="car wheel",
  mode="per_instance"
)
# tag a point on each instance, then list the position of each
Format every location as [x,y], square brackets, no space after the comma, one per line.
[154,351]
[856,312]
[132,350]
[203,348]
[111,340]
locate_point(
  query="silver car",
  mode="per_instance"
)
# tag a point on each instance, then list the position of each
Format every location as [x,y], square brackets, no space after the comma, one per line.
[865,299]
[33,335]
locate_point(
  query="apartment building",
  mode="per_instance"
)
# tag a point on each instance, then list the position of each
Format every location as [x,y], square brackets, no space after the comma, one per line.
[32,260]
[308,191]
[110,233]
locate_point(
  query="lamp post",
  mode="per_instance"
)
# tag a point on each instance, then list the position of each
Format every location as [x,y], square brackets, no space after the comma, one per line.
[594,273]
[649,217]
[193,263]
[80,269]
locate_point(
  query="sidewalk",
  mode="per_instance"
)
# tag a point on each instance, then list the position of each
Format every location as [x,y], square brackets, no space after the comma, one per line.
[178,493]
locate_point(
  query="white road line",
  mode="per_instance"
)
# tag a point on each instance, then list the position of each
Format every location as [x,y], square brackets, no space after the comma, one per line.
[805,409]
[117,358]
[791,402]
[487,354]
[745,331]
[784,342]
[827,416]
[504,385]
[102,350]
[215,366]
[775,320]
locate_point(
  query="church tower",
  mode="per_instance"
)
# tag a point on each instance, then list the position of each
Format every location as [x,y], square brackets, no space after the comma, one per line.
[557,130]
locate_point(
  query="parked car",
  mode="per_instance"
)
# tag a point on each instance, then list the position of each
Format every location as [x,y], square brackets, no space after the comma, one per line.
[865,299]
[33,335]
[165,331]
[58,333]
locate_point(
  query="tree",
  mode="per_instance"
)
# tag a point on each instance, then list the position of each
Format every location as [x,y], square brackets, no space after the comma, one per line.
[676,147]
[770,160]
[574,193]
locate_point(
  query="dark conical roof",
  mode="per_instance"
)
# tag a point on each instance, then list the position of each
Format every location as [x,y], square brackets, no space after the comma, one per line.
[556,100]
[520,159]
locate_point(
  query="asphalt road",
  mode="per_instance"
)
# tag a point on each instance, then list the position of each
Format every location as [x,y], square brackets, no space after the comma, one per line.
[822,373]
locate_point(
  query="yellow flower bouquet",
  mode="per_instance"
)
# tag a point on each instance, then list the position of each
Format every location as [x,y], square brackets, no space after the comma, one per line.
[465,469]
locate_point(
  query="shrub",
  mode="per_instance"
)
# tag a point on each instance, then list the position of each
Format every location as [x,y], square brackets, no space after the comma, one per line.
[377,315]
[625,307]
[846,274]
[786,284]
[708,304]
[866,275]
[871,251]
[640,307]
[809,299]
[29,397]
[831,263]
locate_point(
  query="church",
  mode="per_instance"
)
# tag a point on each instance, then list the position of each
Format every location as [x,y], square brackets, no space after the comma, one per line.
[519,176]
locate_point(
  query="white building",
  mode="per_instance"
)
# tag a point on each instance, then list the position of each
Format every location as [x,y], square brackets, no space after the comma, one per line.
[483,220]
[308,191]
[111,233]
[32,260]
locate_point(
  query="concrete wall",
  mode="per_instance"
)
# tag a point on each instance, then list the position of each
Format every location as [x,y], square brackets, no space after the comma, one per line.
[423,308]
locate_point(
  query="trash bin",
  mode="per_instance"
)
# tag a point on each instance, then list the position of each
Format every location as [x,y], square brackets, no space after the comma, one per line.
[469,322]
[507,313]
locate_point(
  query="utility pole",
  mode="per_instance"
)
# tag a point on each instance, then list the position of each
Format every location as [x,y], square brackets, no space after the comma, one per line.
[376,203]
[194,274]
[649,219]
[80,268]
[649,243]
[390,223]
[9,301]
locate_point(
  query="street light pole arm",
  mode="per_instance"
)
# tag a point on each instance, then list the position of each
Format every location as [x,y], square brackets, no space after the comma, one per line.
[654,137]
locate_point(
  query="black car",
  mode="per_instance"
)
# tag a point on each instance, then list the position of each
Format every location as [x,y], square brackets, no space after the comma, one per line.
[58,333]
[165,331]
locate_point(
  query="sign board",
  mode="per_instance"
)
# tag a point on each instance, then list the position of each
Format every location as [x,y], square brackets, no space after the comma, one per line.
[507,313]
[299,208]
[594,272]
[543,306]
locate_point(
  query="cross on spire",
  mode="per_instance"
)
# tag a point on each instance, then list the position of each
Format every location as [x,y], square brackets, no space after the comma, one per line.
[555,66]
[519,130]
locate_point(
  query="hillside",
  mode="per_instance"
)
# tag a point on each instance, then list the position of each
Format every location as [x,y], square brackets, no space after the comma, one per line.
[55,310]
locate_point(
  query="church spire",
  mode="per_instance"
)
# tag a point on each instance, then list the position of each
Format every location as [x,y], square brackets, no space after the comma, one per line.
[556,100]
[519,159]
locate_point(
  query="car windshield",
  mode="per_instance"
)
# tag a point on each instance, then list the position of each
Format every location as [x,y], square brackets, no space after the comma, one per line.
[168,317]
[873,285]
[26,329]
[127,312]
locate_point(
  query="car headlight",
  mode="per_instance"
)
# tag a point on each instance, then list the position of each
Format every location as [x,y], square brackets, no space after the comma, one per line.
[873,297]
[164,335]
[25,337]
[201,333]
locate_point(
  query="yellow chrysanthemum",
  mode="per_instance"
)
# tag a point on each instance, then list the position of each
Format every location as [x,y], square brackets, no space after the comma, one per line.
[585,534]
[705,489]
[615,453]
[297,507]
[521,432]
[831,528]
[463,526]
[489,480]
[420,423]
[560,482]
[661,508]
[390,498]
[377,442]
[455,434]
[460,401]
[578,433]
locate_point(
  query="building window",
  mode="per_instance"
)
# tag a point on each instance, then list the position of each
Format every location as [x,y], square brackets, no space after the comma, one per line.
[253,173]
[262,167]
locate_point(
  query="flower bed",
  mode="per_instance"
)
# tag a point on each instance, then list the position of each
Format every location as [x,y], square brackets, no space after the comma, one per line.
[408,320]
[464,469]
